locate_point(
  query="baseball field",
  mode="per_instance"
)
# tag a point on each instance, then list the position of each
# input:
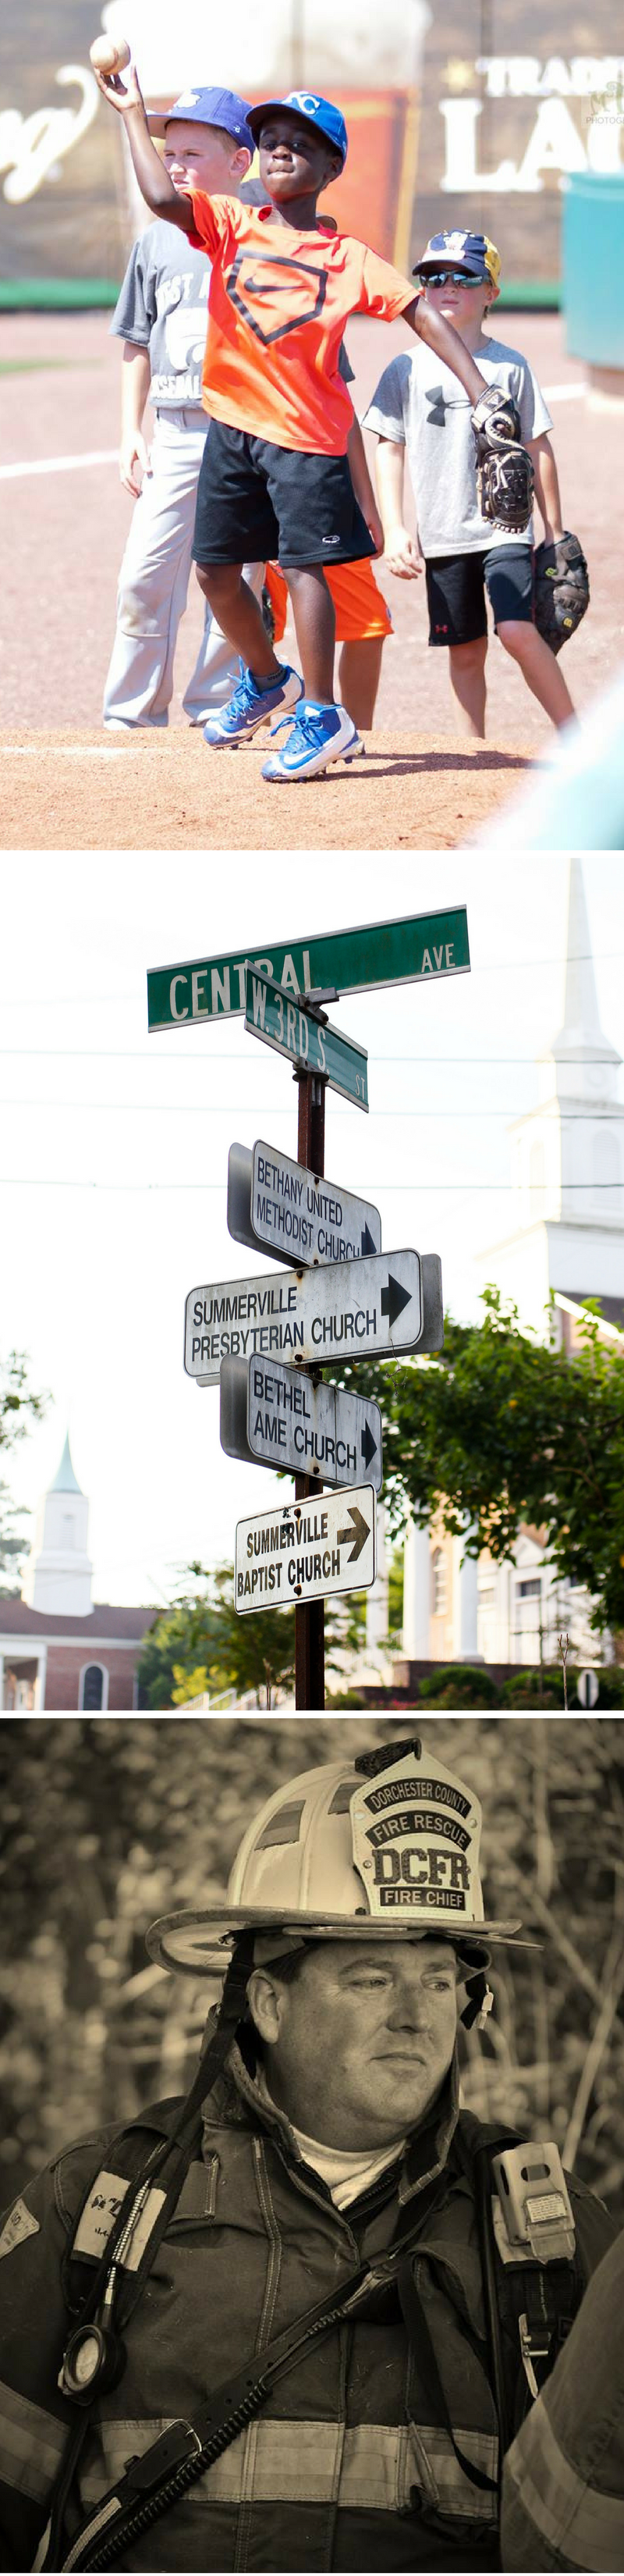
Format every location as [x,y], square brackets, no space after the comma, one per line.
[68,784]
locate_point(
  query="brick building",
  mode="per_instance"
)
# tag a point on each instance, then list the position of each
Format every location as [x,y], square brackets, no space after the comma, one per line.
[58,1649]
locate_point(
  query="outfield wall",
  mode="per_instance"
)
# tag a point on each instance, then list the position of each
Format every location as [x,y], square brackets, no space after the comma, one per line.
[477,114]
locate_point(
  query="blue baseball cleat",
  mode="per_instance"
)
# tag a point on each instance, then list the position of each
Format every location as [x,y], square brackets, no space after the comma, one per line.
[318,735]
[249,707]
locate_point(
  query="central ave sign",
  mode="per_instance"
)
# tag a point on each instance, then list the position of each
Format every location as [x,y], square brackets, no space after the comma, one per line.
[312,1044]
[276,1417]
[306,1551]
[299,1216]
[422,948]
[351,1309]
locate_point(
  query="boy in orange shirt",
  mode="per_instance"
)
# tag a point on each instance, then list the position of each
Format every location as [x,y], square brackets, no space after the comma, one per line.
[274,479]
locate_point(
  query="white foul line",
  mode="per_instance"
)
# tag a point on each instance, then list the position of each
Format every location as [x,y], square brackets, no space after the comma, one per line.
[60,464]
[564,393]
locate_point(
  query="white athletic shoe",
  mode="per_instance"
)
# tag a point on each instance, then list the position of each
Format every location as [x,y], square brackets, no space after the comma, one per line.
[318,735]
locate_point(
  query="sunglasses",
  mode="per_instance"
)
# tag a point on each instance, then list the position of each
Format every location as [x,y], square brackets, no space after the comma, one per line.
[450,277]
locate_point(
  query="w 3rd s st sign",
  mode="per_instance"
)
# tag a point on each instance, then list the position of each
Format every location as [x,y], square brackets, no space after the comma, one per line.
[313,1046]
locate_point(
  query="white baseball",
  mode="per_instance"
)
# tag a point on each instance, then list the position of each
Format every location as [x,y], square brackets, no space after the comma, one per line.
[109,54]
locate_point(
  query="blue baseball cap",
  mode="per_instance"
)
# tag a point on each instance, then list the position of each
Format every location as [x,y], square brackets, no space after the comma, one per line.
[317,112]
[469,251]
[220,107]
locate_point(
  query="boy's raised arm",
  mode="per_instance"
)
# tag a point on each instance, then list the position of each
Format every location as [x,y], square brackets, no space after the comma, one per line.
[155,184]
[441,336]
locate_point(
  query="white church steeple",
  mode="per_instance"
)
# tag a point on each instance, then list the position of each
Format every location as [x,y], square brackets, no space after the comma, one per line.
[58,1573]
[581,1053]
[569,1155]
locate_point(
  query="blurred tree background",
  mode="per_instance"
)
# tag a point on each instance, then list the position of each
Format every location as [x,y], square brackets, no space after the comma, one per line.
[201,1645]
[502,1430]
[111,1822]
[18,1409]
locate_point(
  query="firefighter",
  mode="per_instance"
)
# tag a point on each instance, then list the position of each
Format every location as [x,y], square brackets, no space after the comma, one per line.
[563,2485]
[274,2325]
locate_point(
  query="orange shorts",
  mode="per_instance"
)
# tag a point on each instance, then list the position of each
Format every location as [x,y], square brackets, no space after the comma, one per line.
[361,611]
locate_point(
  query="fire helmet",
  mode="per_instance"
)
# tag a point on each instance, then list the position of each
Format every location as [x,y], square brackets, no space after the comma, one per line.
[371,1847]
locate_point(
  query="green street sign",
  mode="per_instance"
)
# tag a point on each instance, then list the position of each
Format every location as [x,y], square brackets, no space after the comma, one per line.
[421,949]
[314,1047]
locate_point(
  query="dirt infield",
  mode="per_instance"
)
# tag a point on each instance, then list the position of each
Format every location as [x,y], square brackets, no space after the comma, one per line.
[163,792]
[65,519]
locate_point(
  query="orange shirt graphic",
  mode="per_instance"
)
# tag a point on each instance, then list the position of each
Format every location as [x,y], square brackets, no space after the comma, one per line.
[277,309]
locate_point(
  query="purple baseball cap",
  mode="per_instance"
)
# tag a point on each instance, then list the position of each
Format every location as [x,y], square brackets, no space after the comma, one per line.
[220,107]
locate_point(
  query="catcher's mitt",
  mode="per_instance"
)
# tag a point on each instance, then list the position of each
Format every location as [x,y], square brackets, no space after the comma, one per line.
[505,474]
[561,589]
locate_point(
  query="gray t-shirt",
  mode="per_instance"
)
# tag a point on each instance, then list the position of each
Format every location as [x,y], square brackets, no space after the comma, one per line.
[163,307]
[421,405]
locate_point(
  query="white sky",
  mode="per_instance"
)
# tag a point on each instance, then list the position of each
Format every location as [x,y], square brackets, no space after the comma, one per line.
[113,1145]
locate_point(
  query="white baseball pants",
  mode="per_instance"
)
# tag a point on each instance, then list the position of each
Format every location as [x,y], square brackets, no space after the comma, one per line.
[153,589]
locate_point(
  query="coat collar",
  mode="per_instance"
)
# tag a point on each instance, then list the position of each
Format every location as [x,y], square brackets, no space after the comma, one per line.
[238,2101]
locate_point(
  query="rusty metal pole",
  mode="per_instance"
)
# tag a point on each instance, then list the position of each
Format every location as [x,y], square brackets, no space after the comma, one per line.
[310,1615]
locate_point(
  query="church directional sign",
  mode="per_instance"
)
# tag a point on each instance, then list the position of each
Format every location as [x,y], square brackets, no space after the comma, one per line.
[420,949]
[350,1309]
[312,1044]
[276,1417]
[299,1216]
[307,1550]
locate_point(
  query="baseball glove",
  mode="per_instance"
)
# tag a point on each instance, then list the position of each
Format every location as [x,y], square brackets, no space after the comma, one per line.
[505,474]
[561,589]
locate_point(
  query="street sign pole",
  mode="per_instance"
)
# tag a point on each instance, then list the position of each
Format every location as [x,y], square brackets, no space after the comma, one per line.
[310,1615]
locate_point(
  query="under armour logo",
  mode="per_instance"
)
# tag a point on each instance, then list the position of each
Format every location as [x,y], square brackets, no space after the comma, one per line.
[441,403]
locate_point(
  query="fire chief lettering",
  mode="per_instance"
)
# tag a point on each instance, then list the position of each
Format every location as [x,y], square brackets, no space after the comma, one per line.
[254,278]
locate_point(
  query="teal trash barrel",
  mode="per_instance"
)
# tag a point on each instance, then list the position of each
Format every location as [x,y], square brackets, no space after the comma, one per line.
[593,267]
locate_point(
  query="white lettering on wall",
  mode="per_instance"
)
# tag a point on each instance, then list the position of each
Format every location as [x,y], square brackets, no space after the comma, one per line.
[32,146]
[555,143]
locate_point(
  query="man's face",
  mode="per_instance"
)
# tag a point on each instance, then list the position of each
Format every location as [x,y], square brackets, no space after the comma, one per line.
[357,2046]
[202,160]
[294,160]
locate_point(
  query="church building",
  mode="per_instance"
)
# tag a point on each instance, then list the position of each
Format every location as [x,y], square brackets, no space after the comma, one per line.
[59,1649]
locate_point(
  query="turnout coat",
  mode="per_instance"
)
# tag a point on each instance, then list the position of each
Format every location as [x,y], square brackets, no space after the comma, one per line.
[350,2463]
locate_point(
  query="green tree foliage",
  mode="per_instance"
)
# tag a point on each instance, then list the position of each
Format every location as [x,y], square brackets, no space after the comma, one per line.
[108,1823]
[501,1430]
[12,1539]
[18,1409]
[201,1645]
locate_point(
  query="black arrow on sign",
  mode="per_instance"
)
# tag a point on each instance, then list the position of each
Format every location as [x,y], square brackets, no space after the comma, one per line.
[369,1445]
[393,1299]
[367,1241]
[359,1531]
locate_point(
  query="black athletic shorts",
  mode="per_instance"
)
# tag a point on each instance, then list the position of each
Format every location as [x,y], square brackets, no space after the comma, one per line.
[456,587]
[257,503]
